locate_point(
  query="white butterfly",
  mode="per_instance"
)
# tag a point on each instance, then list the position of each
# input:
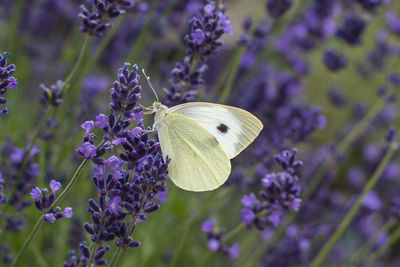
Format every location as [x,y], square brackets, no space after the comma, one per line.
[200,139]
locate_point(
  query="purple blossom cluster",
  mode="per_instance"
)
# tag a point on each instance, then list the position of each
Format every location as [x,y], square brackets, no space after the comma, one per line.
[202,41]
[215,236]
[94,17]
[281,193]
[44,202]
[7,81]
[127,183]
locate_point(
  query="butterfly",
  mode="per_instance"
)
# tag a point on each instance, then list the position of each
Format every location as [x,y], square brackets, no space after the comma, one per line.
[200,138]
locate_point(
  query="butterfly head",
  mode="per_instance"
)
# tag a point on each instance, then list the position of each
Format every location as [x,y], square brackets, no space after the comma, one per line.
[157,106]
[161,112]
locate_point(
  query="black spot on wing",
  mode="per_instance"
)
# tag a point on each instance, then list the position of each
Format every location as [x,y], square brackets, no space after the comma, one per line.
[223,128]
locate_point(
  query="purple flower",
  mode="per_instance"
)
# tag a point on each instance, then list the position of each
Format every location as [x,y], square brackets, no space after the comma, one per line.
[372,201]
[137,116]
[247,216]
[88,150]
[249,200]
[234,251]
[393,21]
[54,186]
[17,155]
[208,226]
[12,83]
[1,178]
[113,206]
[225,23]
[100,172]
[198,36]
[102,121]
[88,127]
[268,179]
[295,204]
[161,197]
[276,214]
[49,217]
[67,213]
[114,163]
[36,193]
[208,10]
[213,245]
[136,132]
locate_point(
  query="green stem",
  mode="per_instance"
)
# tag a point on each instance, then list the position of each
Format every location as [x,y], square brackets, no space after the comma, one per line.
[360,253]
[78,63]
[69,186]
[393,238]
[28,240]
[115,257]
[92,252]
[319,259]
[235,231]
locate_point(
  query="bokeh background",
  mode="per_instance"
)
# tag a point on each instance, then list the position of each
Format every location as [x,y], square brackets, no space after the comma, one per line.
[276,68]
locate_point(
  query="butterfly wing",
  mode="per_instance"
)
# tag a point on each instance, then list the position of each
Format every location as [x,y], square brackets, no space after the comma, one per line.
[198,162]
[234,128]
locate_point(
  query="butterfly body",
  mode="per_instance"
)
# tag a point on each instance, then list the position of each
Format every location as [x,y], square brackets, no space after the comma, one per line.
[200,139]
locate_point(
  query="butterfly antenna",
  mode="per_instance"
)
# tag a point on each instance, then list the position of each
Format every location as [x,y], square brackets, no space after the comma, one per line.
[148,81]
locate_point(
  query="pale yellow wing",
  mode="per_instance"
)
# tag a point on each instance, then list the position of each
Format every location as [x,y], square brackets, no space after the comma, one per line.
[198,162]
[234,128]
